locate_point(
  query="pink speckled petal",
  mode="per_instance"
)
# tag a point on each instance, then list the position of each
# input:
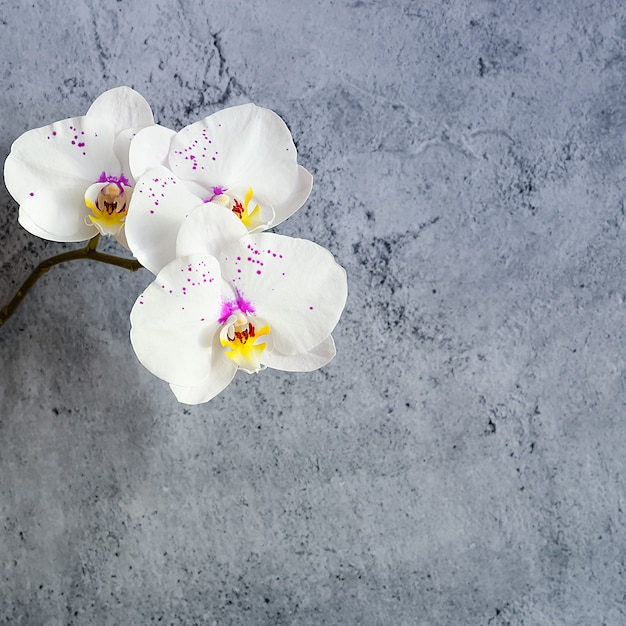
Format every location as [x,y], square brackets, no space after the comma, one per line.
[49,169]
[149,149]
[307,362]
[294,284]
[61,154]
[121,108]
[159,205]
[239,147]
[174,322]
[208,229]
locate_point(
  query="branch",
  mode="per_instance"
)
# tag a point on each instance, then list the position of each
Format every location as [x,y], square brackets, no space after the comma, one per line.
[89,252]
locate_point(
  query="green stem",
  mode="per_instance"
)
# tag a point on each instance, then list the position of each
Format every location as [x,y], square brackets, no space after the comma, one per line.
[88,252]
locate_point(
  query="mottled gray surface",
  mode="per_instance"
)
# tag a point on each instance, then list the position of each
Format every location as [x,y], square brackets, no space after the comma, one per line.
[462,459]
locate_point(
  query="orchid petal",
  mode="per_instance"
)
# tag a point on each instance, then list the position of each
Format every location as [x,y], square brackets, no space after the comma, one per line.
[158,208]
[61,212]
[239,147]
[299,195]
[307,362]
[175,322]
[222,374]
[121,108]
[85,231]
[294,284]
[120,237]
[76,149]
[149,149]
[121,147]
[49,169]
[208,229]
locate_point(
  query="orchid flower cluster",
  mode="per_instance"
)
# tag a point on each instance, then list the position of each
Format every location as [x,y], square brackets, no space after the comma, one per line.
[192,207]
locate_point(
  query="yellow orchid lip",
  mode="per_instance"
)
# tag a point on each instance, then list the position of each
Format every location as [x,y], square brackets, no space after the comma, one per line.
[110,208]
[251,219]
[241,338]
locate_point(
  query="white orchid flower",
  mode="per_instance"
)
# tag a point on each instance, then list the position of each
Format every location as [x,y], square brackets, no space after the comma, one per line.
[242,159]
[236,301]
[72,179]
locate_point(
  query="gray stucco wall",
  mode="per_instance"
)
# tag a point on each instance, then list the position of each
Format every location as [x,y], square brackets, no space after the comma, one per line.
[461,461]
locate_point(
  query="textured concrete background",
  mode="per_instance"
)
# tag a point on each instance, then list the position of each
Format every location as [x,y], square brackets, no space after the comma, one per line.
[462,459]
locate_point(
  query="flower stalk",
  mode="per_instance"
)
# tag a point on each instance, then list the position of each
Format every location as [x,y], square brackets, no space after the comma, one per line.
[89,252]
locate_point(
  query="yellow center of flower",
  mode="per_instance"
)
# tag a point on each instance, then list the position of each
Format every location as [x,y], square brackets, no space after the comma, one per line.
[251,218]
[109,211]
[241,339]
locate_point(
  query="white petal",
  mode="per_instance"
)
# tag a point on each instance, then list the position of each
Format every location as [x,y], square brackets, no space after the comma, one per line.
[208,229]
[86,231]
[221,376]
[49,169]
[294,284]
[307,362]
[149,149]
[121,147]
[61,213]
[159,205]
[174,322]
[121,108]
[239,147]
[120,237]
[76,149]
[298,196]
